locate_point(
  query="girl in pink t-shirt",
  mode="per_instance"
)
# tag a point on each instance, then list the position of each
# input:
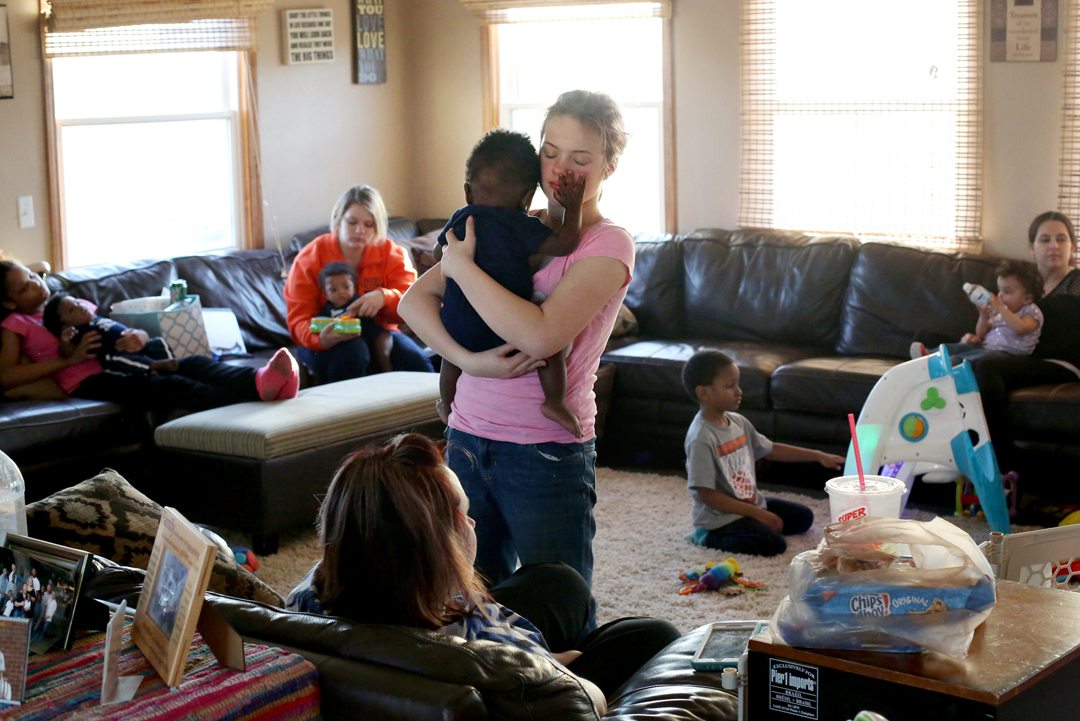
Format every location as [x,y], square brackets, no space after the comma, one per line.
[198,384]
[531,484]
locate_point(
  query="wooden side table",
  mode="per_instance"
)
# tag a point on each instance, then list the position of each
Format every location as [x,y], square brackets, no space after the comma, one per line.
[1022,665]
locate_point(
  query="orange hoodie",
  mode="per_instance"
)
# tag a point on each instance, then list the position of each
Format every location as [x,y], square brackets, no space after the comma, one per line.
[385,266]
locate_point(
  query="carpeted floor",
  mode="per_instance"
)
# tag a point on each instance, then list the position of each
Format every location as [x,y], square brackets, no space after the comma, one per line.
[640,552]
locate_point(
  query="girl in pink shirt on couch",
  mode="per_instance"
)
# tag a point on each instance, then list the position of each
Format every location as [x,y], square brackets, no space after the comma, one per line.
[530,482]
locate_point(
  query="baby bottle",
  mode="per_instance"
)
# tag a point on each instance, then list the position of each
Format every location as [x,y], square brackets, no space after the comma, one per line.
[977,294]
[12,500]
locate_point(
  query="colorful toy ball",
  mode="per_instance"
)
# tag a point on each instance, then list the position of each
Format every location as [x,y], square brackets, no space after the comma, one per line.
[246,558]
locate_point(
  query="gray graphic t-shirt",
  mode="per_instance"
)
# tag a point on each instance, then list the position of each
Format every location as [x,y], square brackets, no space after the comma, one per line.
[722,458]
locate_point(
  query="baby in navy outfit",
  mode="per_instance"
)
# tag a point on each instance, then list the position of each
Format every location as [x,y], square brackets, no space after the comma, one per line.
[501,175]
[69,319]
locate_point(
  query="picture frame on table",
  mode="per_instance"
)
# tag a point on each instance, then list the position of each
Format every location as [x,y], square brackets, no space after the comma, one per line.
[172,598]
[7,80]
[42,582]
[14,660]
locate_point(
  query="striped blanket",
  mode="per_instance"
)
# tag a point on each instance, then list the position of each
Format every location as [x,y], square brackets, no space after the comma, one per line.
[67,684]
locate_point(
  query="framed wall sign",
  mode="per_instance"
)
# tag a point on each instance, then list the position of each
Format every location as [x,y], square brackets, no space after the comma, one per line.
[1023,30]
[307,36]
[369,42]
[7,84]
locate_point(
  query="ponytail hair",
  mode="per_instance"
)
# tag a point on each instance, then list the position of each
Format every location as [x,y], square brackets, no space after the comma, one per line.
[394,550]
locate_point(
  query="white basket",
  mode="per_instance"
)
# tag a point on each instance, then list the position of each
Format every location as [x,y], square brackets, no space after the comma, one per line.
[1048,557]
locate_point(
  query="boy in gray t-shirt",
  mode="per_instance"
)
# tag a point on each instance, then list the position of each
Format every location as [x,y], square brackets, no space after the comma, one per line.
[721,449]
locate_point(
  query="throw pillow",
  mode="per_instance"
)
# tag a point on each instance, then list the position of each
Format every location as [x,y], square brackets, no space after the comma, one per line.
[625,323]
[107,516]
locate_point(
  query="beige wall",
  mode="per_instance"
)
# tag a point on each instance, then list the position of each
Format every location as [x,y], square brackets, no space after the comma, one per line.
[410,137]
[321,133]
[22,140]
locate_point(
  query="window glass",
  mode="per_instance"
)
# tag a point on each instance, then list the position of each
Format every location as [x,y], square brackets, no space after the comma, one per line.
[540,60]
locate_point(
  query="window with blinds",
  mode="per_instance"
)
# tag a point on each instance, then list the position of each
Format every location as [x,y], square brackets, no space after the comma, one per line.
[1069,184]
[863,117]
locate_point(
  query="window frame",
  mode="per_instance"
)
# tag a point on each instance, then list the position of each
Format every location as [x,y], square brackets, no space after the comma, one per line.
[492,107]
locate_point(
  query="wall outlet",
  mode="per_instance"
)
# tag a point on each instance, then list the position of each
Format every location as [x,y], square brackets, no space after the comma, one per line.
[26,211]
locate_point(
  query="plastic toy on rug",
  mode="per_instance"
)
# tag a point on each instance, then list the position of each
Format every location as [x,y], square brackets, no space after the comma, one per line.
[967,502]
[929,413]
[246,558]
[723,577]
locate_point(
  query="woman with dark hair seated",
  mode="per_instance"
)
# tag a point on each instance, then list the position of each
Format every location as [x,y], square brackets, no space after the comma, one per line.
[1052,242]
[399,546]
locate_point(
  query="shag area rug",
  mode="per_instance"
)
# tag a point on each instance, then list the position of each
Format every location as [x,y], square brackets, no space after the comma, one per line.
[640,552]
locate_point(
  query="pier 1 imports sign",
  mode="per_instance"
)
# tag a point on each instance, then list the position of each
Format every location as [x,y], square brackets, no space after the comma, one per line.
[1023,30]
[369,42]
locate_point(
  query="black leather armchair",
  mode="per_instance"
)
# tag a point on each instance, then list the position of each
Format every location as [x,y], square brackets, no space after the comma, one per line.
[395,673]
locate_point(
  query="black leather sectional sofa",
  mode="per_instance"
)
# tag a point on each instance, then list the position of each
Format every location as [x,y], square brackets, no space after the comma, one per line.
[57,443]
[812,323]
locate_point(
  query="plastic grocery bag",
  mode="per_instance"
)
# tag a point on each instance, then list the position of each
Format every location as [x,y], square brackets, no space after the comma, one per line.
[887,584]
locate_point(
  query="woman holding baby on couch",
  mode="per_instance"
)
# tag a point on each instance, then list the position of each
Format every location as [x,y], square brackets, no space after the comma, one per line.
[1052,243]
[357,238]
[530,482]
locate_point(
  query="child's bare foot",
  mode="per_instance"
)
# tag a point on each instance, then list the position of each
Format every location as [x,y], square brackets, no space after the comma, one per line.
[561,414]
[444,411]
[279,379]
[165,366]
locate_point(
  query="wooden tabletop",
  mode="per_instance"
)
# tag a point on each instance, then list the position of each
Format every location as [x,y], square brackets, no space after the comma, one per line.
[1031,633]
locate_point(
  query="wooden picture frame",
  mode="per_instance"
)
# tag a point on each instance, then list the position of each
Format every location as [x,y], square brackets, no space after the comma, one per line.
[172,597]
[7,79]
[369,42]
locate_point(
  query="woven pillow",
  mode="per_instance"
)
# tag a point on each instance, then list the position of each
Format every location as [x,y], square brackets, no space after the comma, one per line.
[107,516]
[625,323]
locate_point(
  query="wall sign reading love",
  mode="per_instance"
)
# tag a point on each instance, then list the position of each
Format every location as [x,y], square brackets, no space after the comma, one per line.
[369,42]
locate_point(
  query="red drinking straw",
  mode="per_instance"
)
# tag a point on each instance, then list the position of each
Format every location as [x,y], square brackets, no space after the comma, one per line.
[858,457]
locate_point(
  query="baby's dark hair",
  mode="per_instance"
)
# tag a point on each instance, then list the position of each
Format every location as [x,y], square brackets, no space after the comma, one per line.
[503,168]
[1026,273]
[51,316]
[702,369]
[338,267]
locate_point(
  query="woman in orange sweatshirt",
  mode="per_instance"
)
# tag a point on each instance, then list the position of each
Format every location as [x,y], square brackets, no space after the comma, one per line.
[358,237]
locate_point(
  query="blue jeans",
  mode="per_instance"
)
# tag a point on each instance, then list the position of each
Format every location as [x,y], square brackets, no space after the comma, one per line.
[531,502]
[747,535]
[352,358]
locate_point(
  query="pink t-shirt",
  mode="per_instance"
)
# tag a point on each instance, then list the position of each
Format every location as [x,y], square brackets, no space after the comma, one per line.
[509,409]
[39,344]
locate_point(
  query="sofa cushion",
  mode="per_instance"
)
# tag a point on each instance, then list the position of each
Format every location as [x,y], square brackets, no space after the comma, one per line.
[655,294]
[670,683]
[104,285]
[34,430]
[318,417]
[827,385]
[249,283]
[766,287]
[1044,413]
[514,683]
[653,368]
[899,294]
[107,516]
